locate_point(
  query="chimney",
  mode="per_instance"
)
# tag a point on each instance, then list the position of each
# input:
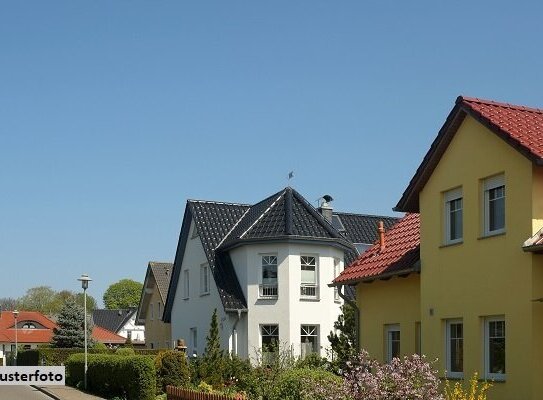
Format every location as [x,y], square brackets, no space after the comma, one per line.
[325,209]
[381,231]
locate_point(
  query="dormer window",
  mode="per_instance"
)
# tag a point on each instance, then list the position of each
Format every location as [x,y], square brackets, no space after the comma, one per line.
[28,325]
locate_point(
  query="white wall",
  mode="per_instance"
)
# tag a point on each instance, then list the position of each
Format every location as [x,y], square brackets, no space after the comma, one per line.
[138,331]
[196,311]
[288,310]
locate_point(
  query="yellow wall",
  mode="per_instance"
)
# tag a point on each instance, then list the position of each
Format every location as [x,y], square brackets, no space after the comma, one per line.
[482,276]
[395,301]
[156,331]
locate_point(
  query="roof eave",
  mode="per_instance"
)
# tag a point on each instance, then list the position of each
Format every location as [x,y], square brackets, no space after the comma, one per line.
[383,276]
[335,242]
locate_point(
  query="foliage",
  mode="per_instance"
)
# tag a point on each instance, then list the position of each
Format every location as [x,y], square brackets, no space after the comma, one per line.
[343,340]
[123,294]
[171,369]
[409,378]
[47,301]
[8,304]
[313,360]
[70,331]
[205,387]
[53,356]
[125,351]
[211,366]
[299,384]
[130,377]
[474,392]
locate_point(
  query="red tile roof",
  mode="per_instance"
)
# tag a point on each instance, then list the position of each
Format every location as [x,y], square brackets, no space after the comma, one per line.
[400,255]
[519,126]
[522,126]
[7,327]
[102,335]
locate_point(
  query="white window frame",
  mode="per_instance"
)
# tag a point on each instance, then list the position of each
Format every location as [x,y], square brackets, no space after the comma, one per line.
[193,334]
[186,284]
[267,356]
[268,290]
[488,185]
[204,279]
[309,290]
[309,331]
[389,329]
[448,338]
[448,198]
[493,375]
[337,271]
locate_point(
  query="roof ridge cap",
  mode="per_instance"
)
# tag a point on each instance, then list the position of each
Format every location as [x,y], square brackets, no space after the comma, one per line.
[232,229]
[217,202]
[467,99]
[281,194]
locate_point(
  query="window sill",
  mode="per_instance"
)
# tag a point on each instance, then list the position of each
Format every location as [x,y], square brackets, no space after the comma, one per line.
[186,298]
[309,299]
[451,244]
[204,294]
[491,235]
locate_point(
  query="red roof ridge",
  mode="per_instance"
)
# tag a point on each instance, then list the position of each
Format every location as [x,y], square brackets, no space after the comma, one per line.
[478,100]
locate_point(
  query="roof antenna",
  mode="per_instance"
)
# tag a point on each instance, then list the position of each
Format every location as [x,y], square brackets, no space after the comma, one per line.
[290,176]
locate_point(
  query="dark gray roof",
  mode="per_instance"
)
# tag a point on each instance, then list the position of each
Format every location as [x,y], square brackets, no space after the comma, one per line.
[163,273]
[285,215]
[112,320]
[361,228]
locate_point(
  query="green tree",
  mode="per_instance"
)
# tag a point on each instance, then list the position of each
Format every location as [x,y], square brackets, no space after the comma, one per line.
[123,294]
[213,363]
[70,331]
[39,298]
[65,296]
[8,304]
[343,340]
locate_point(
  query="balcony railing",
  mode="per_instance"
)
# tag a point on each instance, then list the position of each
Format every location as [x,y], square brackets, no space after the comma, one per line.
[309,291]
[268,291]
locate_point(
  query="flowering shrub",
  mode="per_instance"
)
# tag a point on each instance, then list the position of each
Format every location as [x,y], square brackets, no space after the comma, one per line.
[474,392]
[411,378]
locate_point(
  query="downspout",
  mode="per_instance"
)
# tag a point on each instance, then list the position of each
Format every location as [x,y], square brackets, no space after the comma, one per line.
[356,317]
[235,333]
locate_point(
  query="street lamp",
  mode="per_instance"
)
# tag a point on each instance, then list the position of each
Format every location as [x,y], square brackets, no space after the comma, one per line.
[85,284]
[15,316]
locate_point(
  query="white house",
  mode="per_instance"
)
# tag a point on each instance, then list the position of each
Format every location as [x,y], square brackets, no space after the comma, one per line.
[122,322]
[265,268]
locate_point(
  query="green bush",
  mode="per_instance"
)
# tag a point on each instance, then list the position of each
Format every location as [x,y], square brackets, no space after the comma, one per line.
[312,360]
[50,356]
[125,351]
[299,384]
[131,377]
[171,369]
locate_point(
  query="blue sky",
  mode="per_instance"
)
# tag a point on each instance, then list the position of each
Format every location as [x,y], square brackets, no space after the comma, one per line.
[114,113]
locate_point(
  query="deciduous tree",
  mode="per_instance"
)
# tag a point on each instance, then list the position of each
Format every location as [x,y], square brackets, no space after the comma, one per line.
[123,294]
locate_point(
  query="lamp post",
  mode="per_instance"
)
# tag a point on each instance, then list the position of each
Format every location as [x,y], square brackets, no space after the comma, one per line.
[85,284]
[15,316]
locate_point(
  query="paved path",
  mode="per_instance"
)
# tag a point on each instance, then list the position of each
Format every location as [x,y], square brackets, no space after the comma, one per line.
[65,393]
[21,393]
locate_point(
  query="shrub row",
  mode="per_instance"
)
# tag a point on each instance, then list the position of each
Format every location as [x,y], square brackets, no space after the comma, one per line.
[130,377]
[52,356]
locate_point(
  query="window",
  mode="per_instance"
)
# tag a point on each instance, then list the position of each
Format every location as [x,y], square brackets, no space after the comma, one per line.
[194,232]
[268,285]
[308,286]
[392,333]
[309,338]
[204,279]
[453,216]
[455,349]
[495,348]
[270,343]
[186,284]
[494,205]
[152,345]
[29,325]
[159,315]
[152,309]
[194,340]
[337,271]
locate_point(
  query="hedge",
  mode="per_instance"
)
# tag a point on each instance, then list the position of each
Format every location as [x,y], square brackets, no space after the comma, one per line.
[130,377]
[52,356]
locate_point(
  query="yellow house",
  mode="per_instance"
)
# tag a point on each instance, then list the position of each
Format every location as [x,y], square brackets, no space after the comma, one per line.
[479,290]
[151,307]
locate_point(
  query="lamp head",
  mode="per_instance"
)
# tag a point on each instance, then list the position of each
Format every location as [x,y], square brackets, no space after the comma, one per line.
[15,314]
[84,281]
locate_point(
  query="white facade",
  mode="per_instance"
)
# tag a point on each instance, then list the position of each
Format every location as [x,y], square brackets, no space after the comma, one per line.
[286,308]
[136,332]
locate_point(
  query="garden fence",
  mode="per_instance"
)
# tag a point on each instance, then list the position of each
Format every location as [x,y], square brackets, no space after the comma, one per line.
[177,393]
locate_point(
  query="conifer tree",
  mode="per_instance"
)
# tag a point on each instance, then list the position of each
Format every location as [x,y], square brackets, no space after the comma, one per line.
[343,340]
[212,366]
[70,327]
